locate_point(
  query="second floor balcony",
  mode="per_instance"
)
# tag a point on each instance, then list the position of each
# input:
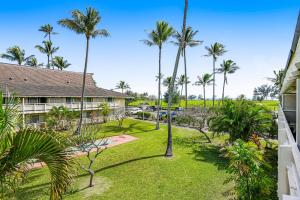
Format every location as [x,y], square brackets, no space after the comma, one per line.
[46,107]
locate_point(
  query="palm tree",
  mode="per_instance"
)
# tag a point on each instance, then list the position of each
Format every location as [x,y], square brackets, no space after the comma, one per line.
[204,81]
[123,86]
[160,35]
[48,30]
[60,63]
[18,147]
[278,78]
[47,49]
[215,50]
[227,67]
[33,62]
[85,24]
[169,150]
[15,53]
[188,41]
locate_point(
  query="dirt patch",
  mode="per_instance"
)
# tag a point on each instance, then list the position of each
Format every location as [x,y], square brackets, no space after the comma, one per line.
[101,185]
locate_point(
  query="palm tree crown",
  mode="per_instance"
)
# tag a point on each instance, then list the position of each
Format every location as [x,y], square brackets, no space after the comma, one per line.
[188,38]
[15,53]
[33,62]
[47,49]
[215,50]
[60,63]
[85,23]
[48,30]
[162,32]
[227,67]
[122,85]
[206,79]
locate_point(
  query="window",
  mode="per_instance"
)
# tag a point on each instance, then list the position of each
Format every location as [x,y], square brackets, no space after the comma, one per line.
[34,119]
[89,100]
[69,100]
[43,100]
[110,99]
[33,100]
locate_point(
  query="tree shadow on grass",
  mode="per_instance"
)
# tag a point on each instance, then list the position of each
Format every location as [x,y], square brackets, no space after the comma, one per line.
[132,128]
[202,150]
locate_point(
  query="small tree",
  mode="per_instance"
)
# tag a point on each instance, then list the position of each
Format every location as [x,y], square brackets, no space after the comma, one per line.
[241,118]
[89,143]
[120,116]
[246,170]
[105,111]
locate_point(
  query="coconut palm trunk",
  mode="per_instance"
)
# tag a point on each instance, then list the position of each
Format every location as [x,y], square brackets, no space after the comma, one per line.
[224,82]
[214,79]
[51,53]
[169,150]
[180,96]
[159,84]
[83,84]
[204,97]
[185,81]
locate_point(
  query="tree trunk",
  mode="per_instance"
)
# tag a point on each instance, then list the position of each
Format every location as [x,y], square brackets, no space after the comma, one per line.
[223,86]
[180,96]
[214,81]
[204,97]
[48,60]
[169,150]
[185,76]
[92,173]
[83,85]
[205,135]
[159,83]
[51,53]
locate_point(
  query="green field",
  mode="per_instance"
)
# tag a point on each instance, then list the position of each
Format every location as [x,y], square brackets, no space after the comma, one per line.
[138,170]
[271,104]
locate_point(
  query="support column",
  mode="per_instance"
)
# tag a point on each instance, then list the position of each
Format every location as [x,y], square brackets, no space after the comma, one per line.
[23,112]
[298,111]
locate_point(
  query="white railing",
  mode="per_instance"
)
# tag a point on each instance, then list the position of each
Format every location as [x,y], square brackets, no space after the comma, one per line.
[46,107]
[288,161]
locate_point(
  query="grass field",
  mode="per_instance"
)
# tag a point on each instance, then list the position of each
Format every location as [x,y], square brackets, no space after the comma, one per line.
[271,104]
[138,170]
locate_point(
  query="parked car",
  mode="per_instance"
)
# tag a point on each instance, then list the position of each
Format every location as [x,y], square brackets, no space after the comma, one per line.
[179,109]
[164,114]
[134,111]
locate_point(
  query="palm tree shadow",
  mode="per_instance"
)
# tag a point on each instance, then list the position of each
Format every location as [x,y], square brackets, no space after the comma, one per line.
[132,128]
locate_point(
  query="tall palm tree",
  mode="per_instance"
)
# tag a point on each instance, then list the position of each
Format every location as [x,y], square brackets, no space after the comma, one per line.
[204,81]
[123,86]
[47,49]
[15,53]
[215,50]
[60,63]
[227,67]
[85,24]
[160,35]
[19,147]
[188,41]
[33,62]
[169,150]
[48,30]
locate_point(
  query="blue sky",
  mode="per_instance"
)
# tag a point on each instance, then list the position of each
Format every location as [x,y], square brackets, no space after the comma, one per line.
[257,34]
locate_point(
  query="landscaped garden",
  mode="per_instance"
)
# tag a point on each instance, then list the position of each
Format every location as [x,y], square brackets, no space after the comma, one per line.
[139,170]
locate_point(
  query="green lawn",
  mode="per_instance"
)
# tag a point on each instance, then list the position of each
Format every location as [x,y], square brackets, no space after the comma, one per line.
[138,170]
[271,104]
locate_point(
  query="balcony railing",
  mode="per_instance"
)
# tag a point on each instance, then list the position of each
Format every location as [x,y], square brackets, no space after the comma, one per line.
[46,107]
[288,161]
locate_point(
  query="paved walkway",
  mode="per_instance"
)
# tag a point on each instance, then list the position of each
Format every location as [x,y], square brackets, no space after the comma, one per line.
[115,140]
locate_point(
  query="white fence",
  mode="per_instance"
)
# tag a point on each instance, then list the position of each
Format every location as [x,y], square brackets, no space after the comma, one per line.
[45,107]
[288,161]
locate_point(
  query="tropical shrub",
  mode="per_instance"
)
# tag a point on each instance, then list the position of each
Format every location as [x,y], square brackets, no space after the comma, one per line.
[241,118]
[145,115]
[105,111]
[246,169]
[60,118]
[19,146]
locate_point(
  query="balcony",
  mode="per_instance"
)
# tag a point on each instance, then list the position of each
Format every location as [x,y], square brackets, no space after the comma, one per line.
[46,107]
[288,161]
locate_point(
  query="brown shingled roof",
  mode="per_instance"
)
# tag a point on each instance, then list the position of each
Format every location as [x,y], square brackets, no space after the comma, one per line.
[40,82]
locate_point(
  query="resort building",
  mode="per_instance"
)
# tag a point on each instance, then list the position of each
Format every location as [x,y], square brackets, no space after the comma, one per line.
[289,125]
[39,90]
